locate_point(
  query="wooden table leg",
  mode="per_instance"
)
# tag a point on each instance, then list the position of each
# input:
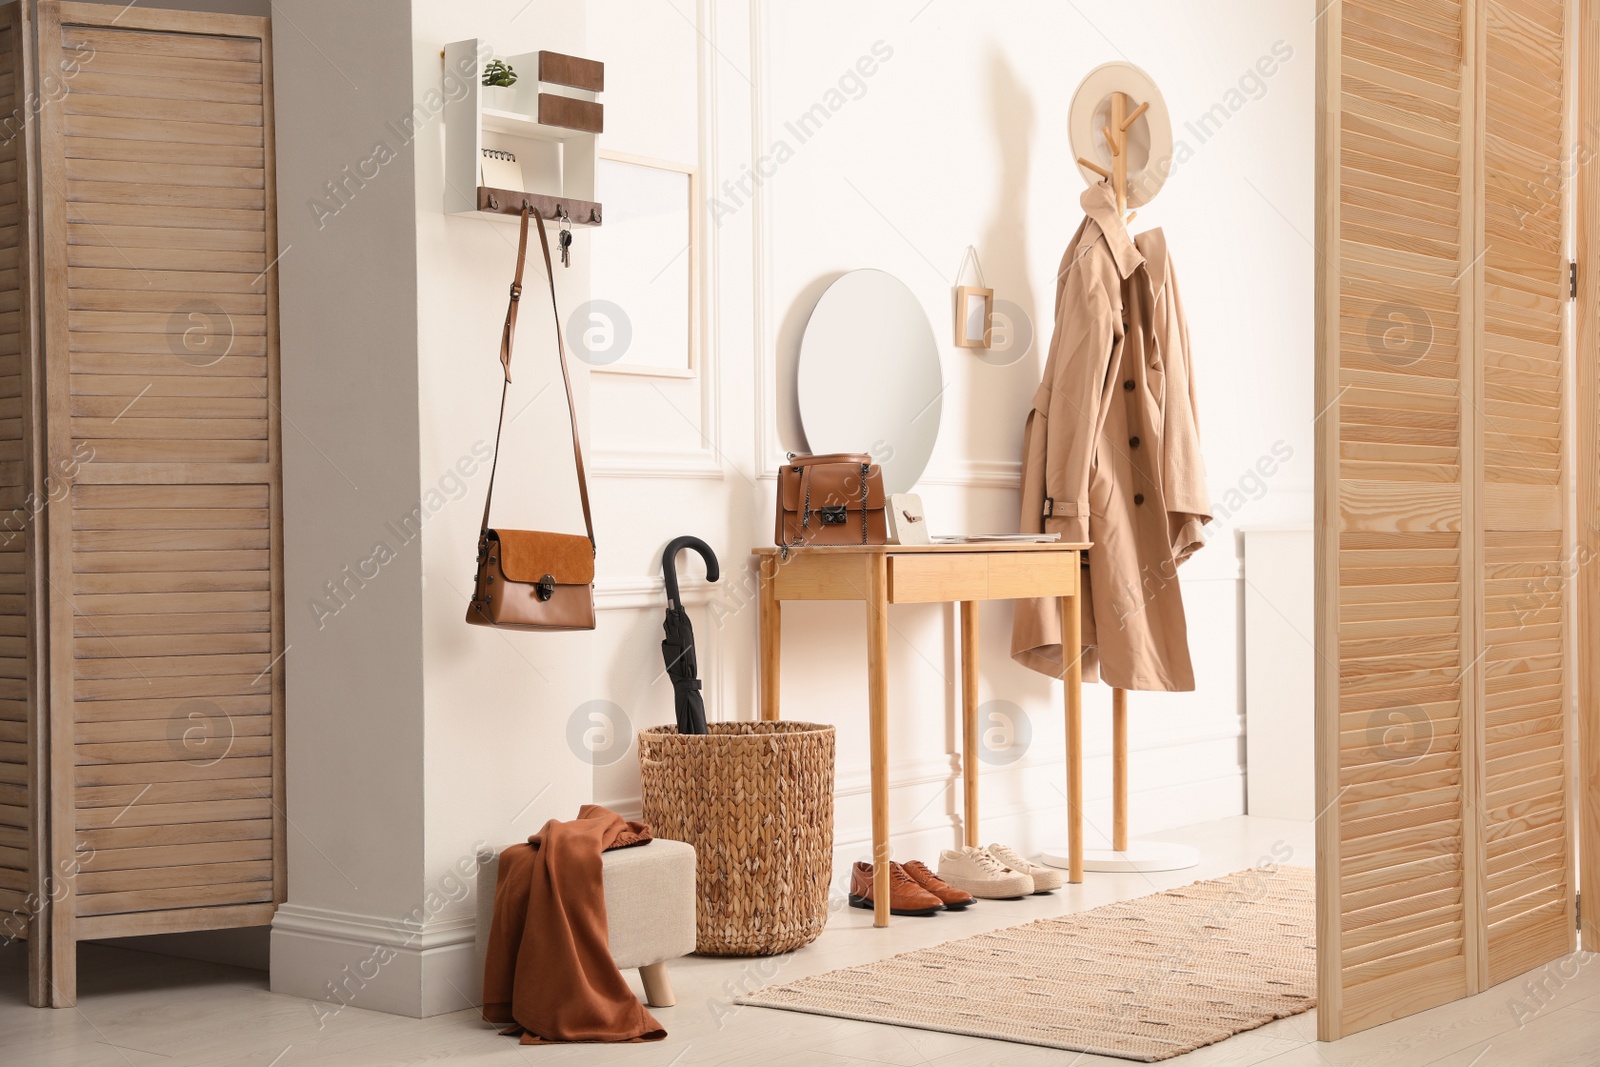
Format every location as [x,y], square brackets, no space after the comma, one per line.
[1119,770]
[878,707]
[1072,654]
[771,630]
[969,719]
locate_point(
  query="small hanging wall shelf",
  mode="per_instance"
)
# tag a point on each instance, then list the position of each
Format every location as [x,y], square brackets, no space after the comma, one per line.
[539,135]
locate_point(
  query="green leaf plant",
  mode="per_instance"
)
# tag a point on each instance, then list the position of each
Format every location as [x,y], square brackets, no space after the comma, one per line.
[498,73]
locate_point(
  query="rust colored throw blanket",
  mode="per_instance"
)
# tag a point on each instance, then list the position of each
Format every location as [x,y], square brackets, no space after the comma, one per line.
[549,975]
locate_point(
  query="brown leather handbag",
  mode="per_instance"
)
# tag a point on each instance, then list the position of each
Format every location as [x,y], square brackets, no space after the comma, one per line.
[836,499]
[528,579]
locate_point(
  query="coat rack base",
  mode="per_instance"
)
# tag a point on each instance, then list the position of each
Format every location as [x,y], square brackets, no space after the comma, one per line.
[1144,857]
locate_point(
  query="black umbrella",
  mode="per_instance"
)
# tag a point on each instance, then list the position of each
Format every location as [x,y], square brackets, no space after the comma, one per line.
[677,646]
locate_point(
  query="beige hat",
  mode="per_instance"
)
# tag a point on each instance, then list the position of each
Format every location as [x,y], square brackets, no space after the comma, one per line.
[1149,138]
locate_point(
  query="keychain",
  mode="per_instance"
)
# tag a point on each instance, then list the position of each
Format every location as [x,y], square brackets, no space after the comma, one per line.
[565,239]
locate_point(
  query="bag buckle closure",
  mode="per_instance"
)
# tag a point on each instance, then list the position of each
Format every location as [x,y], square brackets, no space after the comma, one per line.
[833,515]
[545,588]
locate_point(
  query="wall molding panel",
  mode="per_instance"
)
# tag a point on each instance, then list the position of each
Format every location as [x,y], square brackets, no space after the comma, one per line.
[706,462]
[977,474]
[618,594]
[641,464]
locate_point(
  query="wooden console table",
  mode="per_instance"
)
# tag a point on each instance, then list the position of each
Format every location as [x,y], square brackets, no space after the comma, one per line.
[880,575]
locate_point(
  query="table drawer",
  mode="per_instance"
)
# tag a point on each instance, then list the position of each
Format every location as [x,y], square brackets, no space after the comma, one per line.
[818,574]
[938,578]
[1013,575]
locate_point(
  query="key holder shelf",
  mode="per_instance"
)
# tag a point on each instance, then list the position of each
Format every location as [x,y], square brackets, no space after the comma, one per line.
[548,130]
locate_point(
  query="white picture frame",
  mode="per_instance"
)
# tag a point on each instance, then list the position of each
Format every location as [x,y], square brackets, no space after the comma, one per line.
[645,259]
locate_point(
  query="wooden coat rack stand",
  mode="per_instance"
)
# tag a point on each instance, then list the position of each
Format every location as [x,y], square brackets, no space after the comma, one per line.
[1144,855]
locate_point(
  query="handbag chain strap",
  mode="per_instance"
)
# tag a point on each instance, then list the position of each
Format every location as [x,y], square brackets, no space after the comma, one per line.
[864,469]
[805,514]
[507,340]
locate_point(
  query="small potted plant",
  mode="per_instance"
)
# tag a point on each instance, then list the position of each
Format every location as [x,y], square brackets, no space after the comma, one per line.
[498,78]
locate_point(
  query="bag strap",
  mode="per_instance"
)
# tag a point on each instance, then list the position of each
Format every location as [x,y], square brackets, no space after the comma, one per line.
[507,340]
[797,460]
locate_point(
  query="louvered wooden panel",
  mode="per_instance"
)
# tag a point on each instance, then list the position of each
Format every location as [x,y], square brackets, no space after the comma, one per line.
[166,556]
[1396,840]
[1444,853]
[1586,432]
[18,793]
[1527,862]
[208,634]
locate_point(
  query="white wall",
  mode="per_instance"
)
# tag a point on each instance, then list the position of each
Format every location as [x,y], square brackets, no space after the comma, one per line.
[956,137]
[498,764]
[1280,672]
[348,320]
[413,736]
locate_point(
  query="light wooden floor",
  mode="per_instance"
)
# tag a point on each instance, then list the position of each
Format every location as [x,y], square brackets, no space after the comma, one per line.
[137,1009]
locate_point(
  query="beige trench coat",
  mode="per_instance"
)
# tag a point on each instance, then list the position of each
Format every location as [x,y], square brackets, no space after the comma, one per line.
[1111,455]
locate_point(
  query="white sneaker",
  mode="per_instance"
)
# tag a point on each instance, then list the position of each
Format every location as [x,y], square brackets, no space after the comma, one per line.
[1045,879]
[975,871]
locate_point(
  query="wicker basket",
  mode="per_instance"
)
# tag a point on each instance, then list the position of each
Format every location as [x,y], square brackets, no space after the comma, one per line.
[755,799]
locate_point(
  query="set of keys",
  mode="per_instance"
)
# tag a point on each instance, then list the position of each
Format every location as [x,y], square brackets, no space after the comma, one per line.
[564,239]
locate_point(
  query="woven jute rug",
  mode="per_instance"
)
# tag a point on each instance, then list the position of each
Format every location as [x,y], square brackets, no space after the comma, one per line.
[1143,979]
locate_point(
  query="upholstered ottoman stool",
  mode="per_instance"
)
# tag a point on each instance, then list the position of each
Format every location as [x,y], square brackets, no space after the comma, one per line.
[649,909]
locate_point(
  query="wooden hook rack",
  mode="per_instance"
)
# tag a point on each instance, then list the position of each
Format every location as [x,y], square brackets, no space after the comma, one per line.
[1116,135]
[510,201]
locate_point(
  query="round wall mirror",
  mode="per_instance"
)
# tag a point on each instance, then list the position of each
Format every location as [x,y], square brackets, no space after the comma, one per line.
[869,376]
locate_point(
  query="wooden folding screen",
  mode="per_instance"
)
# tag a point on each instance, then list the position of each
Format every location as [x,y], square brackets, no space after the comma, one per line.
[1444,840]
[1526,554]
[1586,426]
[156,633]
[23,734]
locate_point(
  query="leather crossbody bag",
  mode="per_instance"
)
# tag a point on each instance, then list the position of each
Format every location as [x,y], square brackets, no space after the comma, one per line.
[528,579]
[836,499]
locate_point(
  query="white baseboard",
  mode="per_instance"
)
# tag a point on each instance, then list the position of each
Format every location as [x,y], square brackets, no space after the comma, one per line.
[1026,825]
[373,962]
[337,959]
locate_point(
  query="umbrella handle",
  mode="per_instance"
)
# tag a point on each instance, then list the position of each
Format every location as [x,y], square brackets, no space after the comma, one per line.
[669,564]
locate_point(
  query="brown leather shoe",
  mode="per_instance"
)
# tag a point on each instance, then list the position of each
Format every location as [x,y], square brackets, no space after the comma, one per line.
[954,899]
[905,896]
